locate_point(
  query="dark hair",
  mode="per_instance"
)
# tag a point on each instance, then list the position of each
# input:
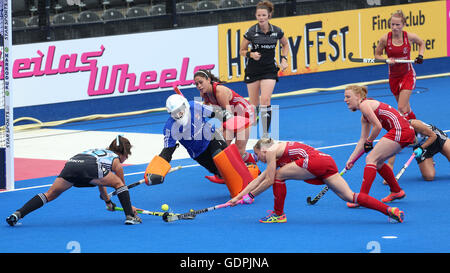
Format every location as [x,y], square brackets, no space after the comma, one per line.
[267,5]
[207,75]
[120,145]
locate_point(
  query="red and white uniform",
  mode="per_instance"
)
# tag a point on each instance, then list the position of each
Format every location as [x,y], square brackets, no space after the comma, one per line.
[398,127]
[401,75]
[240,105]
[319,164]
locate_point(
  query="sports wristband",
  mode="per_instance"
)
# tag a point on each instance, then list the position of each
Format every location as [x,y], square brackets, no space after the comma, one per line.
[284,57]
[251,195]
[248,54]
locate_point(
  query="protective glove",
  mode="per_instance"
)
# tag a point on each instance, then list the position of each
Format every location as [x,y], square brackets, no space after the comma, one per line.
[368,146]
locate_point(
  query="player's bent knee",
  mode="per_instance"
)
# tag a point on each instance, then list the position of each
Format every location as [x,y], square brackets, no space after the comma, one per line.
[428,177]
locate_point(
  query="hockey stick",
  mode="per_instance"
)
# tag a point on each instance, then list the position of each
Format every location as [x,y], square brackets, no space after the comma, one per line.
[135,184]
[170,218]
[372,60]
[155,213]
[175,88]
[325,189]
[400,173]
[143,211]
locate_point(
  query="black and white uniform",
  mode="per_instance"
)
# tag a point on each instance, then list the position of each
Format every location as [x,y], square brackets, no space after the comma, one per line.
[82,168]
[435,147]
[265,44]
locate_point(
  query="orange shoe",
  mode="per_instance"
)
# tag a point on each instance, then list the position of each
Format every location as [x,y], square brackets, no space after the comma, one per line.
[215,179]
[394,196]
[352,205]
[396,214]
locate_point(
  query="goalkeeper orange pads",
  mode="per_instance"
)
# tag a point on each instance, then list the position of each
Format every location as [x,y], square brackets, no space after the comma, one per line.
[156,171]
[233,169]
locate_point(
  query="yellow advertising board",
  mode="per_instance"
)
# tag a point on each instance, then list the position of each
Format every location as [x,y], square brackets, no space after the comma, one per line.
[322,42]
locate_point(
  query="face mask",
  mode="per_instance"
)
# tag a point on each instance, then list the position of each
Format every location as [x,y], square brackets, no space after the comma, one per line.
[182,116]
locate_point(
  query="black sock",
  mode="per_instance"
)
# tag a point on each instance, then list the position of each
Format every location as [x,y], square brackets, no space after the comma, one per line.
[33,204]
[124,197]
[266,118]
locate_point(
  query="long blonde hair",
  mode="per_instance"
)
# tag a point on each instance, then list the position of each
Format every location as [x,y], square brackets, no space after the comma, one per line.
[263,142]
[358,90]
[399,14]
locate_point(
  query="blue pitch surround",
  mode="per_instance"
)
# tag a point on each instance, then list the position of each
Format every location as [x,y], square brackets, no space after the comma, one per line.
[321,120]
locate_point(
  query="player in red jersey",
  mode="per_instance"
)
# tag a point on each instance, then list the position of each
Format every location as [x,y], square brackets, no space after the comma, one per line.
[402,77]
[293,160]
[214,93]
[375,116]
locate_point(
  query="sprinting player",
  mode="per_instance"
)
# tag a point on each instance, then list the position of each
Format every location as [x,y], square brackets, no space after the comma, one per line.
[301,162]
[261,71]
[431,140]
[402,77]
[214,93]
[376,115]
[95,167]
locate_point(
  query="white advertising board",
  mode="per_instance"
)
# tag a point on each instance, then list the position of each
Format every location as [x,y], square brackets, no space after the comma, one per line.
[81,69]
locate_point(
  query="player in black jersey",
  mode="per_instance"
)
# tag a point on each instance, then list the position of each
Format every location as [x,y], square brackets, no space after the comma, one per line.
[261,72]
[90,168]
[430,141]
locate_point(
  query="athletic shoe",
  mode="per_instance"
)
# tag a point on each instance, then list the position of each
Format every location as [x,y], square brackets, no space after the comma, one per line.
[394,196]
[13,218]
[352,205]
[274,218]
[396,214]
[133,220]
[215,179]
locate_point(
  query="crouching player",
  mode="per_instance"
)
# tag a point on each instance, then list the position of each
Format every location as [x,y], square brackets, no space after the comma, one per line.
[430,141]
[95,167]
[301,162]
[188,125]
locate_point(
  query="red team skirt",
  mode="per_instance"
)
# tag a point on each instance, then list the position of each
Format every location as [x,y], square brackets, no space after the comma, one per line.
[404,137]
[405,82]
[321,165]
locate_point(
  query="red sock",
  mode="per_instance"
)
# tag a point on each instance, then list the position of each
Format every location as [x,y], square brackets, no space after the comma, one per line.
[370,172]
[410,115]
[279,194]
[386,172]
[370,202]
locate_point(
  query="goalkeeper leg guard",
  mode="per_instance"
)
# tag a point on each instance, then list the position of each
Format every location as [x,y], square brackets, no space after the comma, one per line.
[232,168]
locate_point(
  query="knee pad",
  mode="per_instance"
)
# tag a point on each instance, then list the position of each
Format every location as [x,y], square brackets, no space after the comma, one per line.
[233,169]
